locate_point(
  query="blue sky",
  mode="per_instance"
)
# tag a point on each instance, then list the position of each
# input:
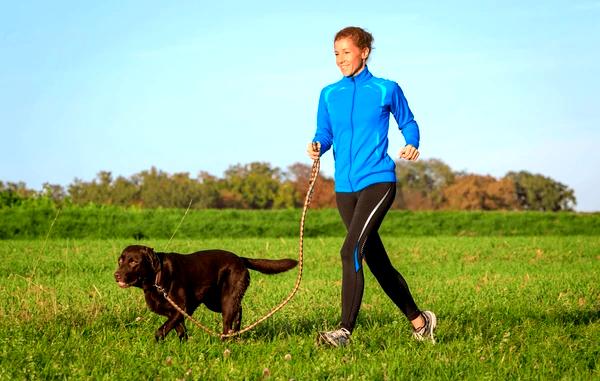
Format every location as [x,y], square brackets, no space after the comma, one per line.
[189,86]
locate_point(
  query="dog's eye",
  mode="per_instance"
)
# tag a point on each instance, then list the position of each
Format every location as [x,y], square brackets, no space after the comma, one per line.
[133,263]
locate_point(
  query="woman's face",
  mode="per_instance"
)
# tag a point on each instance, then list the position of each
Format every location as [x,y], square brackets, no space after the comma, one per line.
[349,57]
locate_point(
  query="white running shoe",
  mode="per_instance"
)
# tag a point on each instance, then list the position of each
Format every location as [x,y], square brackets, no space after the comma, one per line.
[426,331]
[338,338]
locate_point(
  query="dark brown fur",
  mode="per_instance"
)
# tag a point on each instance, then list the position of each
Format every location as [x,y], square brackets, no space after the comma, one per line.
[216,278]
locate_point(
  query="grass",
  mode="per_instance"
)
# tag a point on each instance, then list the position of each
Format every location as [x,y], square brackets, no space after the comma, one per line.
[508,308]
[110,222]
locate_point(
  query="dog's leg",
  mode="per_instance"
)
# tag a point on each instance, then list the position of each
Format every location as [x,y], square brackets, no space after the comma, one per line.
[237,322]
[175,320]
[182,332]
[229,313]
[232,318]
[231,303]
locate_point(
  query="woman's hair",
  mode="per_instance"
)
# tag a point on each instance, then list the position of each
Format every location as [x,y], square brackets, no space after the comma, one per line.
[361,38]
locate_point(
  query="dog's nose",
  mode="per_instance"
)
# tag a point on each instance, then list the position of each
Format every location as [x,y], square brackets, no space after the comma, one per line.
[117,276]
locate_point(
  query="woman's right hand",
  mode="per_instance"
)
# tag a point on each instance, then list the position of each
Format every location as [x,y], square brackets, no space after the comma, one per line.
[314,155]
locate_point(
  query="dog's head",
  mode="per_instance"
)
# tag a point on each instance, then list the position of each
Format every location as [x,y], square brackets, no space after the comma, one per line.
[137,264]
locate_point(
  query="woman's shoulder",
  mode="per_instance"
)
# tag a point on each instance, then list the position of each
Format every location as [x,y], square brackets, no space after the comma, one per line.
[391,87]
[332,88]
[333,85]
[385,82]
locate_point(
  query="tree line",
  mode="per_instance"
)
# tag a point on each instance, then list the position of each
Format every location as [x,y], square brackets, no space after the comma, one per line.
[422,185]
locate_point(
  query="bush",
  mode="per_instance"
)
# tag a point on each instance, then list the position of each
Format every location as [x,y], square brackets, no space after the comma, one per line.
[33,220]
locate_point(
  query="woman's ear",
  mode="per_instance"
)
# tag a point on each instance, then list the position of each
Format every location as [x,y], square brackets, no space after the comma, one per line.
[365,54]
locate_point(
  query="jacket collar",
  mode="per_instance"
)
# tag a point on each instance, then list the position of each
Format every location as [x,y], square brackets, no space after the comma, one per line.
[363,76]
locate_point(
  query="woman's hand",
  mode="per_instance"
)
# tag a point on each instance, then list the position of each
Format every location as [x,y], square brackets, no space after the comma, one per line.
[409,152]
[314,155]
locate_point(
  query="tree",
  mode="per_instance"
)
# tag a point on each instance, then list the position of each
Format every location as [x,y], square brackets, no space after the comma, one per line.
[98,191]
[12,194]
[286,196]
[538,192]
[159,189]
[476,192]
[420,184]
[253,186]
[324,193]
[208,191]
[54,192]
[426,184]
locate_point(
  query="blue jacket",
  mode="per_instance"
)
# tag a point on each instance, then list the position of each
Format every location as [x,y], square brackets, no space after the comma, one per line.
[353,116]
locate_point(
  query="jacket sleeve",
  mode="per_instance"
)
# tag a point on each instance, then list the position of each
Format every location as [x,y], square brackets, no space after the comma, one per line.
[404,117]
[324,133]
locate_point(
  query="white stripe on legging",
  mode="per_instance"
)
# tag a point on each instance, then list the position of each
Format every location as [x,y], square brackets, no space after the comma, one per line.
[367,222]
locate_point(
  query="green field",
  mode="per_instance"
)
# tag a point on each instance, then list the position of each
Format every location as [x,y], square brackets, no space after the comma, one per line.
[110,222]
[508,308]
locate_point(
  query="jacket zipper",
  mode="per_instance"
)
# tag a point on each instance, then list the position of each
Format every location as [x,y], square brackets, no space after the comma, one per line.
[351,134]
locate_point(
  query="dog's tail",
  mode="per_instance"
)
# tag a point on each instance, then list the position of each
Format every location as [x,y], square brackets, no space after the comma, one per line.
[270,266]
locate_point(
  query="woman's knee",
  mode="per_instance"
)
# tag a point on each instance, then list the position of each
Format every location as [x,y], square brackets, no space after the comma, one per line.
[349,252]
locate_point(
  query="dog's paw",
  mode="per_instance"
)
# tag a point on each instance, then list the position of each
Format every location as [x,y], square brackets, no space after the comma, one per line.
[159,335]
[183,338]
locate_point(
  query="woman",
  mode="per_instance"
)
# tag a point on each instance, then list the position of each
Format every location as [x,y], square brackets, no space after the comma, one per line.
[353,117]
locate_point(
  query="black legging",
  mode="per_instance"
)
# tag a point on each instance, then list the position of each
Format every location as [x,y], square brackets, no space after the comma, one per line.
[362,213]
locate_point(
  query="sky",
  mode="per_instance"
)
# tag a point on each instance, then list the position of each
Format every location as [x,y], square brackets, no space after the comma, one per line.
[190,86]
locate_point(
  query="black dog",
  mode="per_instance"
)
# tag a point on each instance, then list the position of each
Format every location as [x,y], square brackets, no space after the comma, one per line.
[216,278]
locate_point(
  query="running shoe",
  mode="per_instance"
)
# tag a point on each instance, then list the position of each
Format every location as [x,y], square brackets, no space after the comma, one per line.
[426,331]
[338,338]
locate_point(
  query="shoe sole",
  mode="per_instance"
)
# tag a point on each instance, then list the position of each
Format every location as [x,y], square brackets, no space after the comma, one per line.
[432,325]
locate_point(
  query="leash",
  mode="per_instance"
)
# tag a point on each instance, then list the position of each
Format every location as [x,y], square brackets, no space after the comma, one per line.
[43,250]
[307,200]
[180,222]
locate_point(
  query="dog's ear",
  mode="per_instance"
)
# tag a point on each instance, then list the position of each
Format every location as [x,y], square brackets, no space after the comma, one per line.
[152,258]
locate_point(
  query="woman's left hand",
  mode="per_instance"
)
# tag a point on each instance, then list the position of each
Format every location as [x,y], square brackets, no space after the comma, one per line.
[409,152]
